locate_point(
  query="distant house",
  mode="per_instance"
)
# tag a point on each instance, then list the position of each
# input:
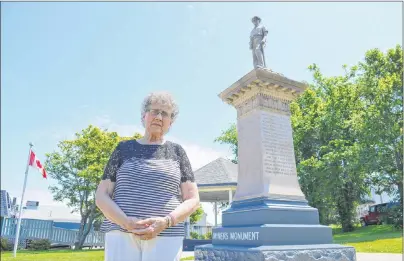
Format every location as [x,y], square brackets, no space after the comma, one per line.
[380,198]
[5,210]
[8,206]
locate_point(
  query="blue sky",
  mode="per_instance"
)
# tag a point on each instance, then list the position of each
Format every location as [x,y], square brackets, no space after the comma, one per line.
[67,65]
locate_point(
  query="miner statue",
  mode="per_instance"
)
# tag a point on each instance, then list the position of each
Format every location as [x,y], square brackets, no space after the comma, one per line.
[258,39]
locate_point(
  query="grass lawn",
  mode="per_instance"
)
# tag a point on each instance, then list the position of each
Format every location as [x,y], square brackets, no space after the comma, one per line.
[56,255]
[371,239]
[53,255]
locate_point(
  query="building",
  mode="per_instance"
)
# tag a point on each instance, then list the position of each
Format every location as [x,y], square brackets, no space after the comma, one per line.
[61,215]
[8,205]
[5,204]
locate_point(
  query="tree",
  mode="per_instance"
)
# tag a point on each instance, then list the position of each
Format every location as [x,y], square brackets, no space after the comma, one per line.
[77,167]
[381,89]
[229,137]
[335,163]
[306,122]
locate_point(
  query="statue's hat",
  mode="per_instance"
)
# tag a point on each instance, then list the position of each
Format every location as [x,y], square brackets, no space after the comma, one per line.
[255,18]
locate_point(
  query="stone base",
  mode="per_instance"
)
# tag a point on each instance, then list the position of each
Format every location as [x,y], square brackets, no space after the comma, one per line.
[323,252]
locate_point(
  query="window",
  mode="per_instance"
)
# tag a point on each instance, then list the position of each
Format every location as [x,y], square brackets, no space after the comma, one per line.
[372,209]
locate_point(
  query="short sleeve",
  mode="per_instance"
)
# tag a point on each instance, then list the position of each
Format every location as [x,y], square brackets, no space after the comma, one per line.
[114,163]
[185,166]
[264,30]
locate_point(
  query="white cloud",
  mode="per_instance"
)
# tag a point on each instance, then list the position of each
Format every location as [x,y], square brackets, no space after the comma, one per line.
[122,129]
[199,155]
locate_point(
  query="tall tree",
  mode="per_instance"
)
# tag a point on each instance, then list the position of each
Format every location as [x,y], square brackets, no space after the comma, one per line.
[77,167]
[381,89]
[308,112]
[336,172]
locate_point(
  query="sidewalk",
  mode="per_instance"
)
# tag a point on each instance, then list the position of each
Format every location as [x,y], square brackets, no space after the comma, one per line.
[378,257]
[359,256]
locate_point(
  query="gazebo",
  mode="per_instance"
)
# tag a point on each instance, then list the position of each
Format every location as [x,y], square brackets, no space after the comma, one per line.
[217,182]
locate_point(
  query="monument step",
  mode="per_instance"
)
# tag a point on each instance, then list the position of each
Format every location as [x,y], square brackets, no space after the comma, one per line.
[265,213]
[272,234]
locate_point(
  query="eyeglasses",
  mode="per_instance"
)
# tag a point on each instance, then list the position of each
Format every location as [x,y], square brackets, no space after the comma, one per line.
[164,114]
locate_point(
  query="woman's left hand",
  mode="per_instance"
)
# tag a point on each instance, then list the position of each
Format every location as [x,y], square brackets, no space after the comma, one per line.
[154,227]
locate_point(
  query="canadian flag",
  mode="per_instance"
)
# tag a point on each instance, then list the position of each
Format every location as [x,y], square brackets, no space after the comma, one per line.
[34,162]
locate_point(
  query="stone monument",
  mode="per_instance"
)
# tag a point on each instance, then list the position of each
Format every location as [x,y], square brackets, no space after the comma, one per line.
[269,218]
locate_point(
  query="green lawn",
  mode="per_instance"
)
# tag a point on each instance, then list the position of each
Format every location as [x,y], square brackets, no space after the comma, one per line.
[56,255]
[53,255]
[371,239]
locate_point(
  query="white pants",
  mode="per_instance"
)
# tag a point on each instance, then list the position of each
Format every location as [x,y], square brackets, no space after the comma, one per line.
[121,246]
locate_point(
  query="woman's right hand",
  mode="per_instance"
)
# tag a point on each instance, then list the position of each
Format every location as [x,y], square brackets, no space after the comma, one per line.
[130,224]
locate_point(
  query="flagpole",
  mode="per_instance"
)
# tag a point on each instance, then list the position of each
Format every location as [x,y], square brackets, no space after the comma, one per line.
[17,235]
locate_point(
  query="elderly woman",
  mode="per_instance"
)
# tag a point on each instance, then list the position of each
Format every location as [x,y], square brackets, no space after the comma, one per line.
[147,190]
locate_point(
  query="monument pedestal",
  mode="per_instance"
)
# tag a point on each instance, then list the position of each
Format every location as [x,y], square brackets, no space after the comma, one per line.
[269,218]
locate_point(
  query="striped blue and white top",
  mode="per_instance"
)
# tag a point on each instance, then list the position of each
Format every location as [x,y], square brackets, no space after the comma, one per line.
[148,179]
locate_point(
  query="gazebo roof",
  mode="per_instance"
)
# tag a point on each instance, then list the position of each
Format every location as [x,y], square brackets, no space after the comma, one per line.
[216,179]
[217,173]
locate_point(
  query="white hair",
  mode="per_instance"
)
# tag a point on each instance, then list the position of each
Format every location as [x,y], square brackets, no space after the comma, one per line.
[161,98]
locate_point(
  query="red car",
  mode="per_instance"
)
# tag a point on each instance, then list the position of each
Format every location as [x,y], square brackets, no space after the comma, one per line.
[376,213]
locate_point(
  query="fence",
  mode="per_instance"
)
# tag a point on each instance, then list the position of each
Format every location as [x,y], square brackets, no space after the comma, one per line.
[44,229]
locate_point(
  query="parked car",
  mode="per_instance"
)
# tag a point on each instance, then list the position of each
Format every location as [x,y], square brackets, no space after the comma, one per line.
[376,213]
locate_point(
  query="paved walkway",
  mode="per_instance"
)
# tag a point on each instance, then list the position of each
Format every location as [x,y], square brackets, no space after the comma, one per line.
[359,256]
[378,257]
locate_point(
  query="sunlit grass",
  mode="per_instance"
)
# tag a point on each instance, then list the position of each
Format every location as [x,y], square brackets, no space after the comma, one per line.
[394,245]
[56,255]
[371,239]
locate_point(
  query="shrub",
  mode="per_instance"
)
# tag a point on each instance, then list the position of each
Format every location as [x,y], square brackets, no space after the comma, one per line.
[208,235]
[6,245]
[194,235]
[39,244]
[394,217]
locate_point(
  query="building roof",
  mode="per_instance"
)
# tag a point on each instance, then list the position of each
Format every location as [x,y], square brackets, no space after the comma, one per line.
[216,173]
[215,179]
[58,213]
